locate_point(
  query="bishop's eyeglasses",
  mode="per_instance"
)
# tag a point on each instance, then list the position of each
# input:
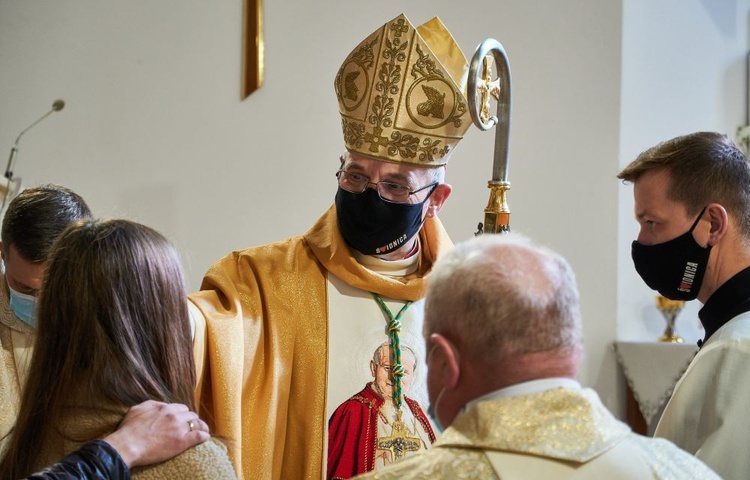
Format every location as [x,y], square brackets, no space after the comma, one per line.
[389,191]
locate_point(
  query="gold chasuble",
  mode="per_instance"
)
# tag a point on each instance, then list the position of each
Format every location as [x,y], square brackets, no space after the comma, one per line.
[262,354]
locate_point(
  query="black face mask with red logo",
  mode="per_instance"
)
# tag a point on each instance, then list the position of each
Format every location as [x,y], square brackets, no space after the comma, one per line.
[373,226]
[675,268]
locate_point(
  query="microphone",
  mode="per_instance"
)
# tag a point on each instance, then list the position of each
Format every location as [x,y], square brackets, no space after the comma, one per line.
[57,105]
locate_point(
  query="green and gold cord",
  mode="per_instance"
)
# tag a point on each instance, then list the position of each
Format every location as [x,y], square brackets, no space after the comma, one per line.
[394,330]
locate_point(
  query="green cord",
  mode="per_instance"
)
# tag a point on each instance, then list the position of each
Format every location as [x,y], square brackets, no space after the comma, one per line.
[394,329]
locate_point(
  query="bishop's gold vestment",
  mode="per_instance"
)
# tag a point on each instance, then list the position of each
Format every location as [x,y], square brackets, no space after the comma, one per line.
[262,362]
[562,433]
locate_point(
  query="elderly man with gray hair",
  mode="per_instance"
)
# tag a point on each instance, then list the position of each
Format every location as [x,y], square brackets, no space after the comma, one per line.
[503,332]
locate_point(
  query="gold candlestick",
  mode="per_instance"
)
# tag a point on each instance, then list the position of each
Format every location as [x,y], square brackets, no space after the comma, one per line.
[670,309]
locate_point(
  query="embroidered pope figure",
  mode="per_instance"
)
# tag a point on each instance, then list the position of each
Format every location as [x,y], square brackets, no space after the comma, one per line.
[369,430]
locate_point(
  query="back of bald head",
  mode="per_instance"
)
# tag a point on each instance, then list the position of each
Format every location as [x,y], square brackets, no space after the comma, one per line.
[502,296]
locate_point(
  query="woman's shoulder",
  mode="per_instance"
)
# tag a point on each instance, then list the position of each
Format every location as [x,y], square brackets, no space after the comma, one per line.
[208,460]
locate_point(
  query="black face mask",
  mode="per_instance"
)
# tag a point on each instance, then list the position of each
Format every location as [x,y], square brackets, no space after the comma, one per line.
[675,268]
[373,226]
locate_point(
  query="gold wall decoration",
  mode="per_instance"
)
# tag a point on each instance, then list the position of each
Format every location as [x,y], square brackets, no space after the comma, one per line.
[252,51]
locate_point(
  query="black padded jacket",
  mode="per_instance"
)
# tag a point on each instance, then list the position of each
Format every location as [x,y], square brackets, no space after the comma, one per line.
[95,460]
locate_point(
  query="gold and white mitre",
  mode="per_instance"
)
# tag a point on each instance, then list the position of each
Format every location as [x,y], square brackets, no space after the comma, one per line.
[402,94]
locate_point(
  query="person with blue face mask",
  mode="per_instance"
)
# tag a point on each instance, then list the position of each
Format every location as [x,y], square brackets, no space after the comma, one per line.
[32,222]
[25,276]
[692,202]
[504,335]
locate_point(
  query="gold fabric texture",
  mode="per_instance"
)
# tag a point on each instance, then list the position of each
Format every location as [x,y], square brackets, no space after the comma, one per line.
[441,464]
[558,423]
[16,347]
[402,94]
[266,344]
[567,425]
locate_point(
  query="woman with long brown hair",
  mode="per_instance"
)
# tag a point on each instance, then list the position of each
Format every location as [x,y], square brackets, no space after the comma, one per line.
[113,331]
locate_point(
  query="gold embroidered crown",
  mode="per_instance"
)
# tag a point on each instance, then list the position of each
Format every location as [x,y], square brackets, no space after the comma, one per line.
[402,94]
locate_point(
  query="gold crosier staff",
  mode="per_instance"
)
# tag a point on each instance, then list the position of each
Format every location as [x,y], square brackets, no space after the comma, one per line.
[481,90]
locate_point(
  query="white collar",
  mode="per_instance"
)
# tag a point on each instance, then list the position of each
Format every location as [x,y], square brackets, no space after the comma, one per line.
[390,268]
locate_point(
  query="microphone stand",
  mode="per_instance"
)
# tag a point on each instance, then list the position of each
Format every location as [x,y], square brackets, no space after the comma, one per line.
[57,105]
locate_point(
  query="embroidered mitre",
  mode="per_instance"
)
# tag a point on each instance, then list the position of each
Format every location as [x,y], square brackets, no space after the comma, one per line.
[402,94]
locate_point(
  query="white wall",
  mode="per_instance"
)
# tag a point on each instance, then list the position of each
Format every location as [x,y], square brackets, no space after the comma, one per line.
[154,129]
[683,70]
